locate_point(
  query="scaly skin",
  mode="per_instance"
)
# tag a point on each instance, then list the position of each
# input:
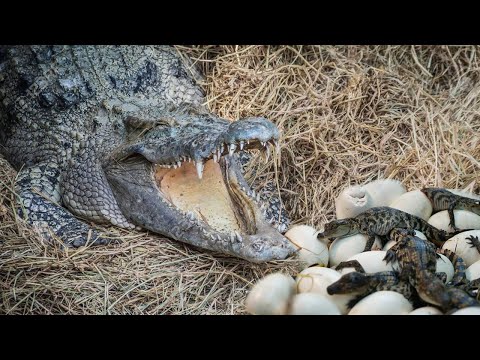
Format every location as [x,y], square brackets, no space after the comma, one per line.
[362,284]
[442,199]
[417,260]
[88,127]
[379,221]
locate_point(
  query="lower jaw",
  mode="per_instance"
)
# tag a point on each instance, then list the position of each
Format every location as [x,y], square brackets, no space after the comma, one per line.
[142,202]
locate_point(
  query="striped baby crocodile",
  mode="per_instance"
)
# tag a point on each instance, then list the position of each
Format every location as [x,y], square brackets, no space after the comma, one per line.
[379,221]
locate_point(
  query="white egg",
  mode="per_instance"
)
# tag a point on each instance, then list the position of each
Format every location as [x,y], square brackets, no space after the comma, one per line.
[384,191]
[473,271]
[312,304]
[390,243]
[316,279]
[445,265]
[352,201]
[459,245]
[312,251]
[343,248]
[426,310]
[382,303]
[415,203]
[471,310]
[372,262]
[463,220]
[271,295]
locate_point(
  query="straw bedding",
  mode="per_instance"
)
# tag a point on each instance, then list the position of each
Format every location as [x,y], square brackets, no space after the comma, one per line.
[348,115]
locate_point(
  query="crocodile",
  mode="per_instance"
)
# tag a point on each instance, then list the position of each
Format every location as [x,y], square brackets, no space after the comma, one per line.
[361,284]
[379,221]
[417,261]
[442,199]
[120,135]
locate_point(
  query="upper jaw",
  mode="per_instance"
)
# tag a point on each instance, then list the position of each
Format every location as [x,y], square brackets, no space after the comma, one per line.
[172,147]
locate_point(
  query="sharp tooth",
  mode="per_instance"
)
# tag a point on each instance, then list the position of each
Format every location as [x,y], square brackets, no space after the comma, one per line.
[191,215]
[174,166]
[179,163]
[219,238]
[263,143]
[232,237]
[239,237]
[242,143]
[215,157]
[199,166]
[189,159]
[219,153]
[221,148]
[248,142]
[232,149]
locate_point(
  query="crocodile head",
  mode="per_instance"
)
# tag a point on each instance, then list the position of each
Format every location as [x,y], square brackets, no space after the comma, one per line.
[349,283]
[339,228]
[183,179]
[432,290]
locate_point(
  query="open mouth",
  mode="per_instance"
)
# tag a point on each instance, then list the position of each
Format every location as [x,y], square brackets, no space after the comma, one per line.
[204,202]
[217,200]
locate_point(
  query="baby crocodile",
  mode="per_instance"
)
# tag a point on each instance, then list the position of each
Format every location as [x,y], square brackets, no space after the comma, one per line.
[442,199]
[380,221]
[417,260]
[362,284]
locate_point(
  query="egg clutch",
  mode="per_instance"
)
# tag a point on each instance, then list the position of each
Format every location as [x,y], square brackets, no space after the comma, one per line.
[388,252]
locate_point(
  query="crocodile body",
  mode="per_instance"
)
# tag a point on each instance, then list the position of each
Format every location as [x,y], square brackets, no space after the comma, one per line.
[362,284]
[379,221]
[442,199]
[119,135]
[417,260]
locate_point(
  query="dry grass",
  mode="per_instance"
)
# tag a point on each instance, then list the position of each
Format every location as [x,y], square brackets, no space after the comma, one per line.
[348,115]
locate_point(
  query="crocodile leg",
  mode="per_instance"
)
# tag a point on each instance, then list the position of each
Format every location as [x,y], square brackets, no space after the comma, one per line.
[370,242]
[452,216]
[391,255]
[86,192]
[37,188]
[351,264]
[474,242]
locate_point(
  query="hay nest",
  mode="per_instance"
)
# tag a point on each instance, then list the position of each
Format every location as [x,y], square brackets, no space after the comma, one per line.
[348,115]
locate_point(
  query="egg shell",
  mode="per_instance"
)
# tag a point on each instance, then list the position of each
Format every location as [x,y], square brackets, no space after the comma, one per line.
[372,262]
[471,310]
[343,248]
[313,251]
[384,191]
[390,243]
[382,303]
[446,266]
[463,220]
[473,271]
[426,310]
[415,203]
[271,295]
[316,279]
[312,304]
[459,244]
[352,201]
